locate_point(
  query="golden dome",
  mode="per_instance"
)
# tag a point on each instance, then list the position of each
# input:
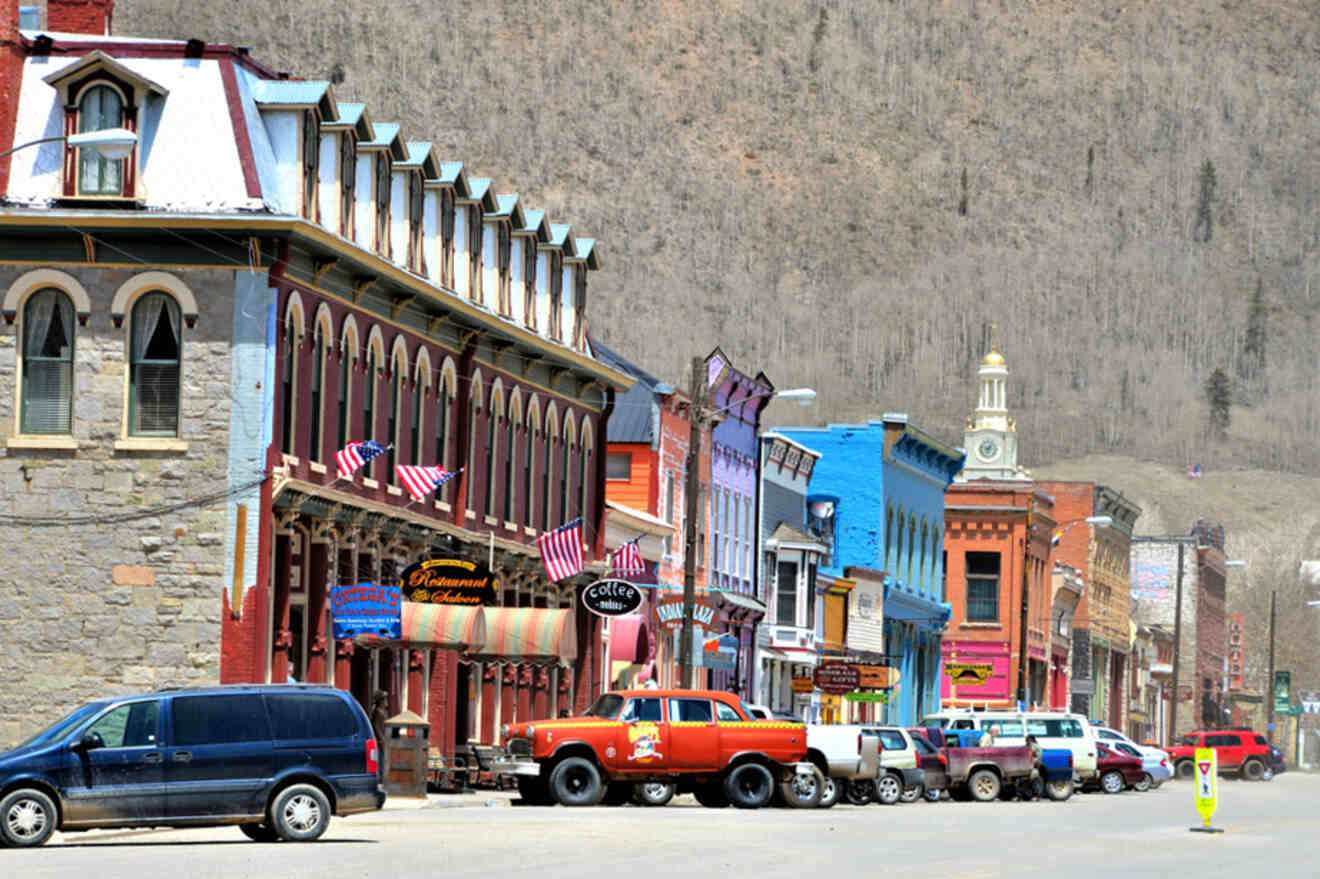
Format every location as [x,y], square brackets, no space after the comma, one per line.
[994,358]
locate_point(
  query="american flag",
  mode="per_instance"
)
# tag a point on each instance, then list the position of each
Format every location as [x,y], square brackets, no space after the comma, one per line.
[352,456]
[561,550]
[421,481]
[627,559]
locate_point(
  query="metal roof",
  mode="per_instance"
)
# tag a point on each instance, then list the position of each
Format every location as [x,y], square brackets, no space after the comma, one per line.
[635,410]
[296,93]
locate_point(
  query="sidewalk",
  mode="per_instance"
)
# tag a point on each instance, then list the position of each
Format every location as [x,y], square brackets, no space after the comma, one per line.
[470,799]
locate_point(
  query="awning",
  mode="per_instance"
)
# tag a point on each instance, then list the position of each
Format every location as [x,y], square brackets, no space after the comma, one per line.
[528,634]
[739,606]
[451,626]
[630,639]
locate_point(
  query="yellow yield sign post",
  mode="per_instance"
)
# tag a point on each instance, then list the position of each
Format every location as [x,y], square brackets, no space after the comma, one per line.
[1207,788]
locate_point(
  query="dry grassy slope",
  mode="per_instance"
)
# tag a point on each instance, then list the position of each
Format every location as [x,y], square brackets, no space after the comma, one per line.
[786,183]
[1271,520]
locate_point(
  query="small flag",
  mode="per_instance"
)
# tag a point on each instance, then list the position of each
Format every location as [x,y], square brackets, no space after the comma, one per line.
[1056,537]
[421,481]
[561,550]
[627,559]
[352,456]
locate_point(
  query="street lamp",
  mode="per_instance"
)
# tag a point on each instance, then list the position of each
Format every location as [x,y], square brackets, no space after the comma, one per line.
[693,488]
[112,143]
[1063,529]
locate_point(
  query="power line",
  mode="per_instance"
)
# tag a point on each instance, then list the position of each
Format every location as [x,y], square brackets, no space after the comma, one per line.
[135,515]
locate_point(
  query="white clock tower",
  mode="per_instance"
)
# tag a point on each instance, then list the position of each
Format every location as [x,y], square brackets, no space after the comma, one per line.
[991,437]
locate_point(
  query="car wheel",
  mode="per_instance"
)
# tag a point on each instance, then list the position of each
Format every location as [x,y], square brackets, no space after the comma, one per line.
[803,791]
[912,794]
[1185,769]
[831,792]
[1144,783]
[859,791]
[751,785]
[1059,790]
[711,796]
[534,791]
[27,818]
[617,793]
[259,832]
[984,786]
[1253,770]
[933,796]
[576,782]
[888,789]
[1112,782]
[300,813]
[653,793]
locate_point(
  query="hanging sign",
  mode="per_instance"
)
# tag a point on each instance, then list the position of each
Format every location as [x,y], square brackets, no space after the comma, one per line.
[669,613]
[867,697]
[1236,627]
[836,678]
[1207,787]
[449,581]
[969,673]
[720,653]
[366,609]
[877,677]
[611,598]
[803,685]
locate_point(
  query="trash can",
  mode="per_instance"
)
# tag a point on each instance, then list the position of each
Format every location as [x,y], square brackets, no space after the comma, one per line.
[406,747]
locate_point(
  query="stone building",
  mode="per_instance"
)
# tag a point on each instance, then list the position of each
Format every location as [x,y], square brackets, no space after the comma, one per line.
[194,331]
[1199,643]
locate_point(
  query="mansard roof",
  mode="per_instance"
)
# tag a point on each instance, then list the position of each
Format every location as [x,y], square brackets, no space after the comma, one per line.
[296,93]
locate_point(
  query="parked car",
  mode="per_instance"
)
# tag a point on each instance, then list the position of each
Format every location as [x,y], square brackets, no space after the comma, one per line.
[276,760]
[845,755]
[900,769]
[934,765]
[1246,753]
[1052,729]
[1154,762]
[1117,771]
[983,774]
[697,740]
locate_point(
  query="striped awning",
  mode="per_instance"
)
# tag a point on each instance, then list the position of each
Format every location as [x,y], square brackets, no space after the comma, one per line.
[451,626]
[529,634]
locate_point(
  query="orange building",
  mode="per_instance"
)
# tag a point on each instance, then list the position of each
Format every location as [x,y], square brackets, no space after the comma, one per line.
[988,548]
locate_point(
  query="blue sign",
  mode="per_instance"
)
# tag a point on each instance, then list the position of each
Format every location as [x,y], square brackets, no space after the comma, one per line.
[720,653]
[367,609]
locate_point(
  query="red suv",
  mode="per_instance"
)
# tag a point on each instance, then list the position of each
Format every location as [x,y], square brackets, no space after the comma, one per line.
[1238,751]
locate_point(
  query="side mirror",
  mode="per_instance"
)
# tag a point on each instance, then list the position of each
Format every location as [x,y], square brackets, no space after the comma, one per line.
[89,742]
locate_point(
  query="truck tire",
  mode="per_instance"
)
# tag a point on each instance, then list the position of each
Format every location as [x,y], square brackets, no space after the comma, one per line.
[984,786]
[859,791]
[711,796]
[535,791]
[831,793]
[750,786]
[576,782]
[1184,769]
[888,789]
[653,793]
[803,791]
[1253,770]
[1059,790]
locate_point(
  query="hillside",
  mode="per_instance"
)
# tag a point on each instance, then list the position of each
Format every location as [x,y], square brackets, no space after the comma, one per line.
[848,194]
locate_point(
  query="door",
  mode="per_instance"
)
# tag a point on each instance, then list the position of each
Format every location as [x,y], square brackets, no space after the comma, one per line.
[694,735]
[220,757]
[643,741]
[120,780]
[1228,746]
[316,730]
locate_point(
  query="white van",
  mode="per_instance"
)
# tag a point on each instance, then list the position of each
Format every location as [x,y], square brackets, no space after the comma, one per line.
[1052,729]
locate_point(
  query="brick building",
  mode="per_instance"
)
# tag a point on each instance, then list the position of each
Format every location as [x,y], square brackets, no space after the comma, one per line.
[194,331]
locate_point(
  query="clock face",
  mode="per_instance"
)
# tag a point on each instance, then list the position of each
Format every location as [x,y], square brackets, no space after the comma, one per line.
[987,449]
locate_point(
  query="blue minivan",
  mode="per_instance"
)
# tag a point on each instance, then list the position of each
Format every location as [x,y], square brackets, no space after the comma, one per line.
[276,760]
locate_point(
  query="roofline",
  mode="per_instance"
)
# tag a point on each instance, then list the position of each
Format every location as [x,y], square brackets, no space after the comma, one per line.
[63,46]
[297,226]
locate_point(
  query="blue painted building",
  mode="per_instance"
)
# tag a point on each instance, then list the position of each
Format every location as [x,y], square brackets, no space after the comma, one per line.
[878,497]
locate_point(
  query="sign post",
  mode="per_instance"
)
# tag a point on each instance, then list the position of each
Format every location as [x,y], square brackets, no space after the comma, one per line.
[1207,789]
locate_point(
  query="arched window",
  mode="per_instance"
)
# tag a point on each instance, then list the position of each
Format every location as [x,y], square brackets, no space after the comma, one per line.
[347,356]
[383,204]
[311,155]
[347,183]
[510,454]
[912,540]
[315,452]
[154,370]
[415,433]
[100,108]
[442,399]
[584,478]
[528,466]
[492,418]
[474,409]
[925,556]
[396,403]
[369,403]
[898,546]
[889,538]
[565,466]
[545,471]
[47,403]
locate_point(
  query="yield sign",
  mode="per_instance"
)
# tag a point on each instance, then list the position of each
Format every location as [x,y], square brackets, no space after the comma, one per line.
[1204,767]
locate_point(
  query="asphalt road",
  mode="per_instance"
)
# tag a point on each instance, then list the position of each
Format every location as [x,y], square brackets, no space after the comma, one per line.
[1271,829]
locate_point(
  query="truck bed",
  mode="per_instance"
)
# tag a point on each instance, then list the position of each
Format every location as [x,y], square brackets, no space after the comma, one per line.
[1011,762]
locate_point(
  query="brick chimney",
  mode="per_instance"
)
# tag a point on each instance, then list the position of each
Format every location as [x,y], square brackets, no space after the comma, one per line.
[11,78]
[79,16]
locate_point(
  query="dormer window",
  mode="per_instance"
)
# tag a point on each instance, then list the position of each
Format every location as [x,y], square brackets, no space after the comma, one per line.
[416,212]
[447,238]
[383,204]
[502,264]
[347,183]
[311,151]
[100,107]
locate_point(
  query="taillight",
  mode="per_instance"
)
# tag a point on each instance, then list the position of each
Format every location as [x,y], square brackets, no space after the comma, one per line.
[1164,762]
[373,764]
[859,743]
[944,760]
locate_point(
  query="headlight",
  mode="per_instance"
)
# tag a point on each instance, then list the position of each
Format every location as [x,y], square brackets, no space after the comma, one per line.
[504,730]
[531,730]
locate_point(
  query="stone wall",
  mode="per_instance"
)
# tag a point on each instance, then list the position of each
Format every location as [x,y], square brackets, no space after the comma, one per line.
[102,608]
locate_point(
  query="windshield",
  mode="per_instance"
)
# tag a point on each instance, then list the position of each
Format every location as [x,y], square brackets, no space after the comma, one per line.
[63,726]
[607,705]
[940,722]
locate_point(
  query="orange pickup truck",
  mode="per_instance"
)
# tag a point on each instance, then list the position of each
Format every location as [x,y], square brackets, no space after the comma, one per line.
[687,740]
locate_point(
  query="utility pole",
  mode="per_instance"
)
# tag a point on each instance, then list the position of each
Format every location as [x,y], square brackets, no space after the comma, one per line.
[692,491]
[1269,684]
[1026,585]
[1177,649]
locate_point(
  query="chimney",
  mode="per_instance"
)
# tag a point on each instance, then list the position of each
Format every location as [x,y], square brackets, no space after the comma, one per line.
[11,78]
[79,16]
